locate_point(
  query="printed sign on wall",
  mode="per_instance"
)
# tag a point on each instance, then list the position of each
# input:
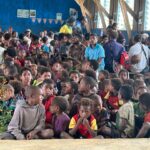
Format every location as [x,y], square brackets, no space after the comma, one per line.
[22,13]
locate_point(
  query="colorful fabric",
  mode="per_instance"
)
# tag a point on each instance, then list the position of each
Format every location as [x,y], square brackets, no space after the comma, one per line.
[47,103]
[5,115]
[83,129]
[147,117]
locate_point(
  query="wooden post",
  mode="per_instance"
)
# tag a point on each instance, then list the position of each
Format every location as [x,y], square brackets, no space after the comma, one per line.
[133,14]
[98,2]
[85,12]
[125,16]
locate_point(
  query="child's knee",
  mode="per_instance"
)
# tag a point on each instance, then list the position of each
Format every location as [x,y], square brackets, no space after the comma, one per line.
[48,133]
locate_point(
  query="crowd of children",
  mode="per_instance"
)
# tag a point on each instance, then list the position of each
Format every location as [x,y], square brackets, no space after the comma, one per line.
[60,85]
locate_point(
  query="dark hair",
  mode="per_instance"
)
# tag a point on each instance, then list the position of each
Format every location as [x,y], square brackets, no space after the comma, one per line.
[10,52]
[116,83]
[138,38]
[71,20]
[145,100]
[123,70]
[61,102]
[113,34]
[89,81]
[126,92]
[74,71]
[94,64]
[105,73]
[86,102]
[31,90]
[44,69]
[25,69]
[90,73]
[129,82]
[7,36]
[17,85]
[50,34]
[44,39]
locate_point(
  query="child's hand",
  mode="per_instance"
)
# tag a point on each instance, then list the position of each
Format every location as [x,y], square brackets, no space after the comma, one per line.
[30,135]
[80,120]
[85,122]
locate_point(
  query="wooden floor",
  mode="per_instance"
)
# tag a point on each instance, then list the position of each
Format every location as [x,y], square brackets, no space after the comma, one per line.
[119,144]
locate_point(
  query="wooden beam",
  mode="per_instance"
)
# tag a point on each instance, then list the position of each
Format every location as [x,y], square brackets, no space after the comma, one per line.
[125,16]
[134,15]
[98,2]
[105,12]
[85,12]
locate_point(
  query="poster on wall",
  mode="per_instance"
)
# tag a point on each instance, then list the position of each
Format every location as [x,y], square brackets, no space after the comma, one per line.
[73,13]
[58,16]
[22,13]
[32,13]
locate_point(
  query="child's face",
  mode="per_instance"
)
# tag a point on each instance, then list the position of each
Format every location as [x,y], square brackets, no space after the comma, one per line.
[57,67]
[46,75]
[101,76]
[26,77]
[82,86]
[66,88]
[107,87]
[34,69]
[85,66]
[36,98]
[75,77]
[123,76]
[85,111]
[48,90]
[22,54]
[93,40]
[54,108]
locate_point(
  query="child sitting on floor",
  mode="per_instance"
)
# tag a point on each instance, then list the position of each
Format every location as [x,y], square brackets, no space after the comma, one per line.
[83,124]
[28,118]
[49,95]
[124,126]
[145,104]
[60,120]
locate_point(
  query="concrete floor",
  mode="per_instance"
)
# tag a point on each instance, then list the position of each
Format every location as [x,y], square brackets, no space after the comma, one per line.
[118,144]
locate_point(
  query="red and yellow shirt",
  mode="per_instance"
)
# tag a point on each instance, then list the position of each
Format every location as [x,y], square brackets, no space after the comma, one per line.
[147,117]
[83,129]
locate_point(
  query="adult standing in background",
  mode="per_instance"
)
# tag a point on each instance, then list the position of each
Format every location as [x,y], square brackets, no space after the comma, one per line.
[95,52]
[68,27]
[113,51]
[139,55]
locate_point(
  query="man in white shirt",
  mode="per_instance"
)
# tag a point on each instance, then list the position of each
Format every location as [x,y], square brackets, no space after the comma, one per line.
[138,49]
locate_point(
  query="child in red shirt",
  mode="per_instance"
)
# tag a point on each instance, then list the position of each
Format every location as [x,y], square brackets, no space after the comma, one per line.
[48,93]
[83,124]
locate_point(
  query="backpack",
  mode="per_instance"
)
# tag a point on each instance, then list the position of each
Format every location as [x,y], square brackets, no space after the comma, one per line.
[124,60]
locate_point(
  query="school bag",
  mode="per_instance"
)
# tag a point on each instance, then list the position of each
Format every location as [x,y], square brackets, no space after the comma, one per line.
[124,60]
